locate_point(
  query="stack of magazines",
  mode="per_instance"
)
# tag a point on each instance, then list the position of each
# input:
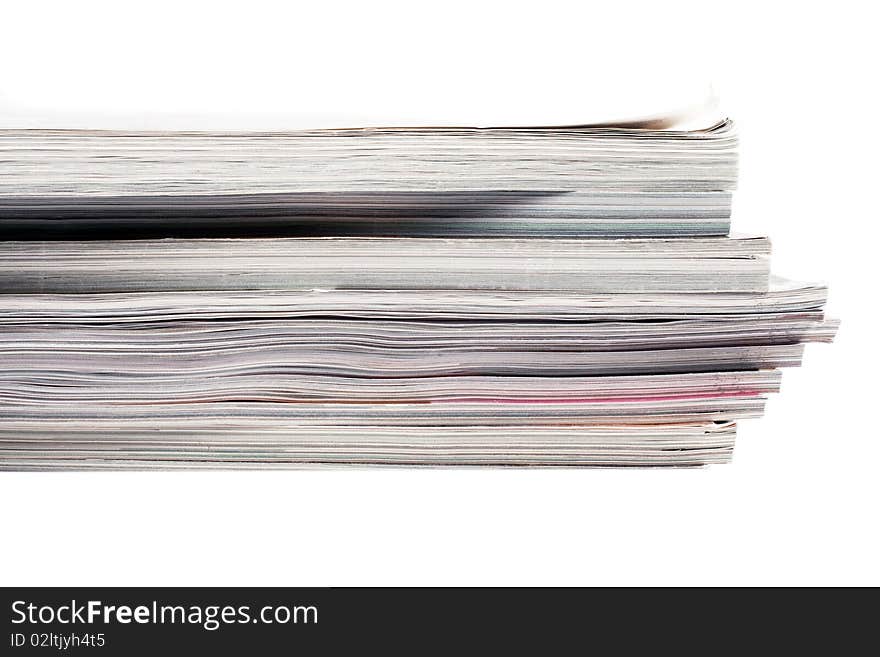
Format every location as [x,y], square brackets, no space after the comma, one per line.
[396,296]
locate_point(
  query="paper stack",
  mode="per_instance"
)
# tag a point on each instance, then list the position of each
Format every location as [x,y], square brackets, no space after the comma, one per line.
[448,296]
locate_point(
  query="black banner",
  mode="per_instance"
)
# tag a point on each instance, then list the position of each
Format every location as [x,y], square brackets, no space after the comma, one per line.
[170,621]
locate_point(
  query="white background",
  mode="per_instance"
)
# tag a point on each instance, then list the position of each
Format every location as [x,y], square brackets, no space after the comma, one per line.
[799,503]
